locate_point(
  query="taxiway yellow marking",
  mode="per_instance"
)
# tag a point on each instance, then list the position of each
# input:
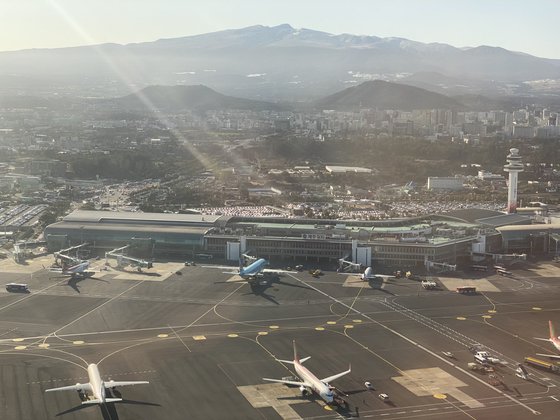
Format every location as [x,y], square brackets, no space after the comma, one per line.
[357,321]
[440,396]
[274,327]
[77,342]
[17,340]
[44,345]
[232,335]
[163,335]
[536,308]
[348,326]
[319,328]
[331,322]
[486,316]
[461,318]
[327,407]
[199,337]
[263,333]
[20,347]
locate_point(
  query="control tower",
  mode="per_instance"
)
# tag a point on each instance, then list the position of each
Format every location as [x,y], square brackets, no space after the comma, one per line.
[513,166]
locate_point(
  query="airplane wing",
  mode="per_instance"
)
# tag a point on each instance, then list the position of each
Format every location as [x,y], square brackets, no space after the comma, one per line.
[338,375]
[221,267]
[552,356]
[542,339]
[275,271]
[113,384]
[77,387]
[282,381]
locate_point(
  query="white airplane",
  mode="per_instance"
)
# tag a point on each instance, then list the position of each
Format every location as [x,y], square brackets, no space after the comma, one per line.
[252,271]
[554,339]
[368,274]
[79,270]
[309,382]
[96,387]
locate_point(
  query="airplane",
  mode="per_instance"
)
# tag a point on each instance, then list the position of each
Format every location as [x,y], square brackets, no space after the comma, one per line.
[554,339]
[252,271]
[309,382]
[368,274]
[79,270]
[96,387]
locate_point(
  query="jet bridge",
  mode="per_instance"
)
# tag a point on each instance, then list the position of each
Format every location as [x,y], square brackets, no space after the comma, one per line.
[22,250]
[123,260]
[346,266]
[63,256]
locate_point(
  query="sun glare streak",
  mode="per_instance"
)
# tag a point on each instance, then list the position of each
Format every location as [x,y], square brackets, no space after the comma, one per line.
[206,163]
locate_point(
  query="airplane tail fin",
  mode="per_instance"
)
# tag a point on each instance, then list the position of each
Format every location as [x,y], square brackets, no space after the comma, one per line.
[295,352]
[552,331]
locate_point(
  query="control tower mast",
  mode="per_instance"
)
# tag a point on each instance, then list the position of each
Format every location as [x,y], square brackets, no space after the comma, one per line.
[513,166]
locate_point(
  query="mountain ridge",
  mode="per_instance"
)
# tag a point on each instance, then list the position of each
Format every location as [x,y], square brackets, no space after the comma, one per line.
[271,63]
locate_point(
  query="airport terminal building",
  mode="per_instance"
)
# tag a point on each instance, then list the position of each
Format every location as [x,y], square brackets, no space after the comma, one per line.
[395,243]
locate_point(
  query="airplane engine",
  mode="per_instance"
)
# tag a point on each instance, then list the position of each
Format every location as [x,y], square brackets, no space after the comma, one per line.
[304,390]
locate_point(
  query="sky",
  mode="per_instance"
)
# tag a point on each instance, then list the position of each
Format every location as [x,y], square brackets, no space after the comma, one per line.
[518,25]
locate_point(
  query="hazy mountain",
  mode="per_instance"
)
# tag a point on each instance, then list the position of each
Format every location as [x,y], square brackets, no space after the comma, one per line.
[177,98]
[484,103]
[387,95]
[260,62]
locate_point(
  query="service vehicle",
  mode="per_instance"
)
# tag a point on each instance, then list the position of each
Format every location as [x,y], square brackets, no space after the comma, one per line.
[384,397]
[17,287]
[542,364]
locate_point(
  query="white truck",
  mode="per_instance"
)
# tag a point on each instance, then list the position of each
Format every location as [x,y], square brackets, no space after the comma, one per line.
[483,357]
[429,285]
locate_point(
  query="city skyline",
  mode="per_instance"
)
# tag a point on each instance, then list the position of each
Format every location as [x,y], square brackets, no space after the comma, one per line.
[461,23]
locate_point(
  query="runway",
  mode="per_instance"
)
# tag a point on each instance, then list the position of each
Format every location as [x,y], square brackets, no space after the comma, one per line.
[205,344]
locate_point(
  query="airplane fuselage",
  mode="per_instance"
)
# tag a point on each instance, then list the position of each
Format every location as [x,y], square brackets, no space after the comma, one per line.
[317,386]
[96,383]
[253,269]
[368,274]
[77,269]
[553,338]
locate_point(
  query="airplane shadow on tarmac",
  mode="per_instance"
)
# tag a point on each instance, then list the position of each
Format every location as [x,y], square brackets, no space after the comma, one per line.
[259,289]
[74,282]
[377,283]
[109,410]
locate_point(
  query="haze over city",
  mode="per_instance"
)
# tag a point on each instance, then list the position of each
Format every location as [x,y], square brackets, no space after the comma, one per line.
[515,25]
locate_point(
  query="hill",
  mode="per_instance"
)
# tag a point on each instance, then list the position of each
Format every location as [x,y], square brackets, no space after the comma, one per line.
[386,95]
[178,98]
